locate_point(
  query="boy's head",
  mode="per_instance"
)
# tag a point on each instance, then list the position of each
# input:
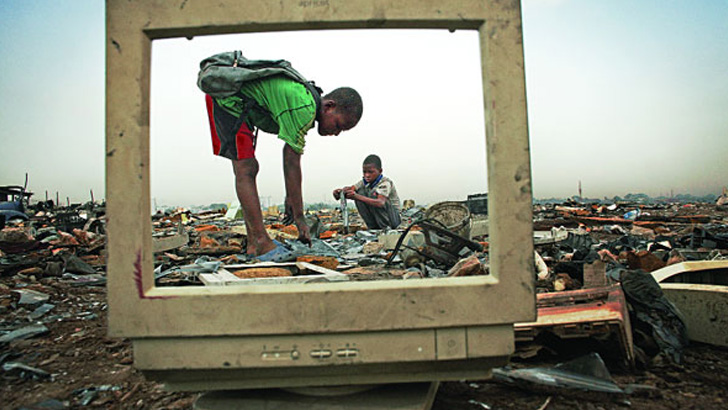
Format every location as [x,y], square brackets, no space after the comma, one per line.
[371,168]
[340,110]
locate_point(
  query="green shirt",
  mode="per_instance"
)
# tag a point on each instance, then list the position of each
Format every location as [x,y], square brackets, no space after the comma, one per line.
[289,109]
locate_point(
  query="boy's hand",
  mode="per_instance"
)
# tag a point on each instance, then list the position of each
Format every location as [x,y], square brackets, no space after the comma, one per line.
[349,192]
[337,192]
[304,234]
[287,214]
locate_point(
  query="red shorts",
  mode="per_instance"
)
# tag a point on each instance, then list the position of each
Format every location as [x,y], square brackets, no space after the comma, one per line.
[229,140]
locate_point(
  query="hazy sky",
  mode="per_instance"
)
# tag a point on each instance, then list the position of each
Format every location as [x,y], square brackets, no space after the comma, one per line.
[626,96]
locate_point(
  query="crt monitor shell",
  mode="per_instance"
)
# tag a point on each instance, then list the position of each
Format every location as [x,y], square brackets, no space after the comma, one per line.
[306,335]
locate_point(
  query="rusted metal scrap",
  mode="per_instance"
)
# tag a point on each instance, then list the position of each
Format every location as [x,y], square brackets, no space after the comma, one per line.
[599,313]
[445,246]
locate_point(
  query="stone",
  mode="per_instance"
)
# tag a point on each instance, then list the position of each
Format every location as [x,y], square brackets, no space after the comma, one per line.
[469,266]
[414,239]
[372,248]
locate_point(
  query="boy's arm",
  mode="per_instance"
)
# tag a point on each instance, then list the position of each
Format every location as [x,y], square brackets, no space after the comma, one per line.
[294,196]
[378,202]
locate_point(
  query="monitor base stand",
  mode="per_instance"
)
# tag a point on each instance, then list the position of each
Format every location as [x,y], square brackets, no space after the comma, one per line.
[402,396]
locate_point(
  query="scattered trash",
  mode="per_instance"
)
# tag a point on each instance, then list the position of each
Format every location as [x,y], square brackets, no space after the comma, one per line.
[545,403]
[586,255]
[40,311]
[570,322]
[318,248]
[23,371]
[654,313]
[23,333]
[586,373]
[31,297]
[478,203]
[441,244]
[95,279]
[479,404]
[469,266]
[542,270]
[271,273]
[723,199]
[87,395]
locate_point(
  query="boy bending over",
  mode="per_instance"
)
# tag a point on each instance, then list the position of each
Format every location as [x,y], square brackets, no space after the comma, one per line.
[277,105]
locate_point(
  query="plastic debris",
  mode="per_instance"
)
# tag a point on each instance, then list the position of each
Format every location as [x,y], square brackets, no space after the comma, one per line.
[40,311]
[23,371]
[24,333]
[31,297]
[654,311]
[89,394]
[586,373]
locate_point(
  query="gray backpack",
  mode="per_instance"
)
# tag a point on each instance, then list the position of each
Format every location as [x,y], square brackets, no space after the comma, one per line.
[222,75]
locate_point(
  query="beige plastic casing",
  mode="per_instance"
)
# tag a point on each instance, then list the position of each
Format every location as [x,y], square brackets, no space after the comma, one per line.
[201,338]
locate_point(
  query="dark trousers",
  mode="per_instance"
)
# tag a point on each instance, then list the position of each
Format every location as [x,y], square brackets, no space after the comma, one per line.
[377,218]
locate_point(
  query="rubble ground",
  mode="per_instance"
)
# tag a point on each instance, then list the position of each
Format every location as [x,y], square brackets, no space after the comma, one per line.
[52,288]
[85,363]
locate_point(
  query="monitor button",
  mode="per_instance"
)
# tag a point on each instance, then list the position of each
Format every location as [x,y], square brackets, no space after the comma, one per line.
[347,353]
[321,353]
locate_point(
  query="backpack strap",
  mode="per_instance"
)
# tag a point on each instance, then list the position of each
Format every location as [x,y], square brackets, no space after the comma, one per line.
[248,104]
[316,93]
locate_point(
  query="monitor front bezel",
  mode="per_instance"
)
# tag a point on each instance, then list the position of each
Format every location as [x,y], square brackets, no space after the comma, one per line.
[139,309]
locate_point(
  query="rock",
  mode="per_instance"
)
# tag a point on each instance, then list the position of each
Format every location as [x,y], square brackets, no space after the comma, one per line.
[469,266]
[372,248]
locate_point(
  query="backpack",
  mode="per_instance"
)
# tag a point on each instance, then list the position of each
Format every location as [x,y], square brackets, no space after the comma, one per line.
[222,75]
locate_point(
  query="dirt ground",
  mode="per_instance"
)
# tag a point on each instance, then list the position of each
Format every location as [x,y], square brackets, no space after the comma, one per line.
[90,370]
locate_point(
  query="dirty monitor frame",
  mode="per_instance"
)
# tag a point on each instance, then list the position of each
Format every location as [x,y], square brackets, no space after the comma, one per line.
[205,338]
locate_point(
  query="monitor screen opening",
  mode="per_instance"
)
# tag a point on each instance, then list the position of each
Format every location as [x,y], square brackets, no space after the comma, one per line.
[424,105]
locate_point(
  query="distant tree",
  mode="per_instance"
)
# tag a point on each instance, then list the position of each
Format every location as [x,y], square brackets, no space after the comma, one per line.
[317,206]
[214,207]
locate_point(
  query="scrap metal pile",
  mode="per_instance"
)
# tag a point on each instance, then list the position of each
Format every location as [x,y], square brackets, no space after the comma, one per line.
[601,289]
[209,248]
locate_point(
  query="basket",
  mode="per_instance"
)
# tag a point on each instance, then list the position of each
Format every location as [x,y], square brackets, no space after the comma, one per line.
[454,215]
